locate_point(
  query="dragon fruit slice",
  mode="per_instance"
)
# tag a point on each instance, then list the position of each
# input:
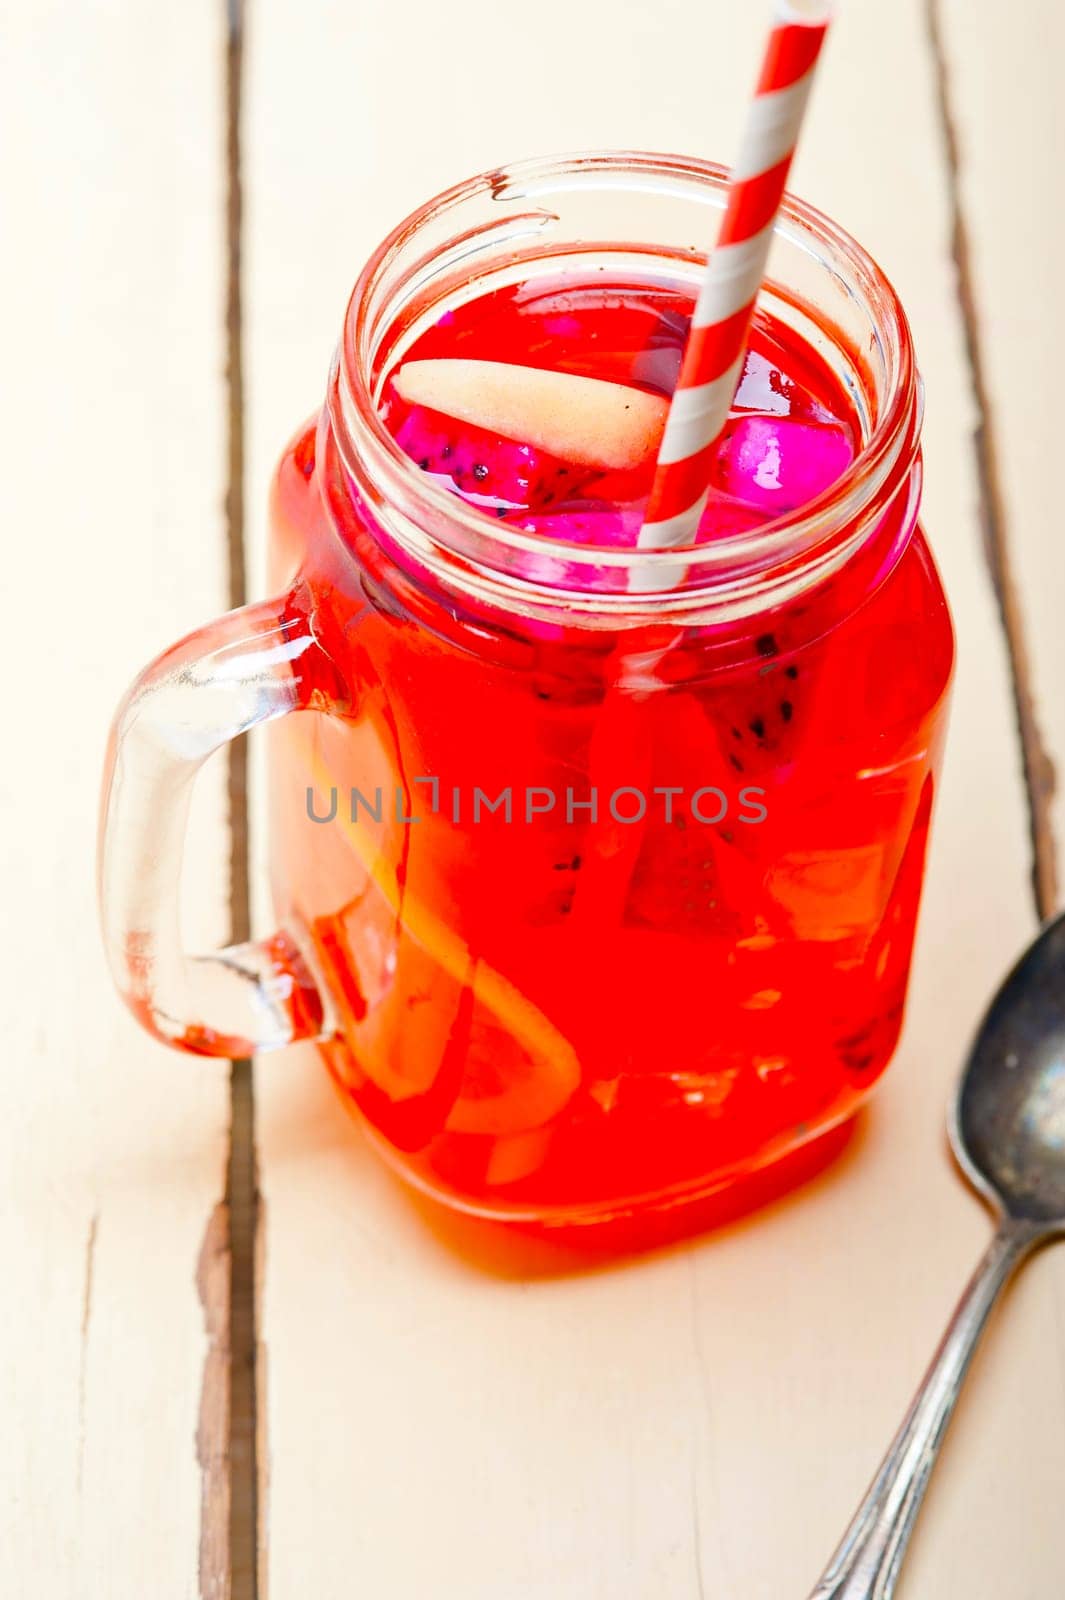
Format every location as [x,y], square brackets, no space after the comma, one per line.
[589,421]
[493,472]
[778,464]
[760,711]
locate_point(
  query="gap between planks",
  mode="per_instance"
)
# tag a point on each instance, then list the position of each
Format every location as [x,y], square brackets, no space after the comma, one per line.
[228,1431]
[1040,778]
[242,1177]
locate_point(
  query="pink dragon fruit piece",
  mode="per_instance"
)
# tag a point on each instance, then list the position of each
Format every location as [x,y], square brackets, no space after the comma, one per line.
[584,523]
[489,470]
[778,464]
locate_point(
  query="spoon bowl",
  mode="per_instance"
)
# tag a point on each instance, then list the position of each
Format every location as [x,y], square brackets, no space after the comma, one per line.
[1007,1126]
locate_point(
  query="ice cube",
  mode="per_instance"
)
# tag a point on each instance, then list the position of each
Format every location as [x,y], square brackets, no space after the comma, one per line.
[778,464]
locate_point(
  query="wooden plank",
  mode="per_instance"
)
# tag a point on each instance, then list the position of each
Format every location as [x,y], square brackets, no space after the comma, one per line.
[1006,121]
[1003,124]
[113,1348]
[701,1421]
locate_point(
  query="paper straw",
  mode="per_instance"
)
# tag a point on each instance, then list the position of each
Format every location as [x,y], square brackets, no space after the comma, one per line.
[713,356]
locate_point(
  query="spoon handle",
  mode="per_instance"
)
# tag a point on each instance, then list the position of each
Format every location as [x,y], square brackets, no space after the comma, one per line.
[866,1564]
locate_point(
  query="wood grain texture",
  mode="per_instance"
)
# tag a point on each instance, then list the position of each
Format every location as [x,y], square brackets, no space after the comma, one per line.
[703,1421]
[111,1149]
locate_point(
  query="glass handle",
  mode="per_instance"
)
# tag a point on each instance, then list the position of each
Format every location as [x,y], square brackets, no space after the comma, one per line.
[249,667]
[866,1564]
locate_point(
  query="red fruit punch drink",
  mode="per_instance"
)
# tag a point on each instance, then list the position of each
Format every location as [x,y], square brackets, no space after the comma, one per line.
[611,878]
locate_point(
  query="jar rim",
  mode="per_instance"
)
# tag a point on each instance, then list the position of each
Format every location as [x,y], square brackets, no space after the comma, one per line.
[813,538]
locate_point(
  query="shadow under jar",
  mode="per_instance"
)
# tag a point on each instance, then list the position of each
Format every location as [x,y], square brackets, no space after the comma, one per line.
[597,872]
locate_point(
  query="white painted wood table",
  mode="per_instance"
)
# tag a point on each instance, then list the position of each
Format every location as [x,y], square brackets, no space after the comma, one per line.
[695,1423]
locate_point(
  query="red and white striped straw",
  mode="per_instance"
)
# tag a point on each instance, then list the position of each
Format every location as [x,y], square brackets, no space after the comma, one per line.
[713,357]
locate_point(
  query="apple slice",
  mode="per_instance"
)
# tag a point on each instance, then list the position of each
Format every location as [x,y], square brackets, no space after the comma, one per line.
[585,420]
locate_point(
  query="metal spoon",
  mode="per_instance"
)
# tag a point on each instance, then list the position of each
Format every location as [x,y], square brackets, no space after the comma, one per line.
[1007,1128]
